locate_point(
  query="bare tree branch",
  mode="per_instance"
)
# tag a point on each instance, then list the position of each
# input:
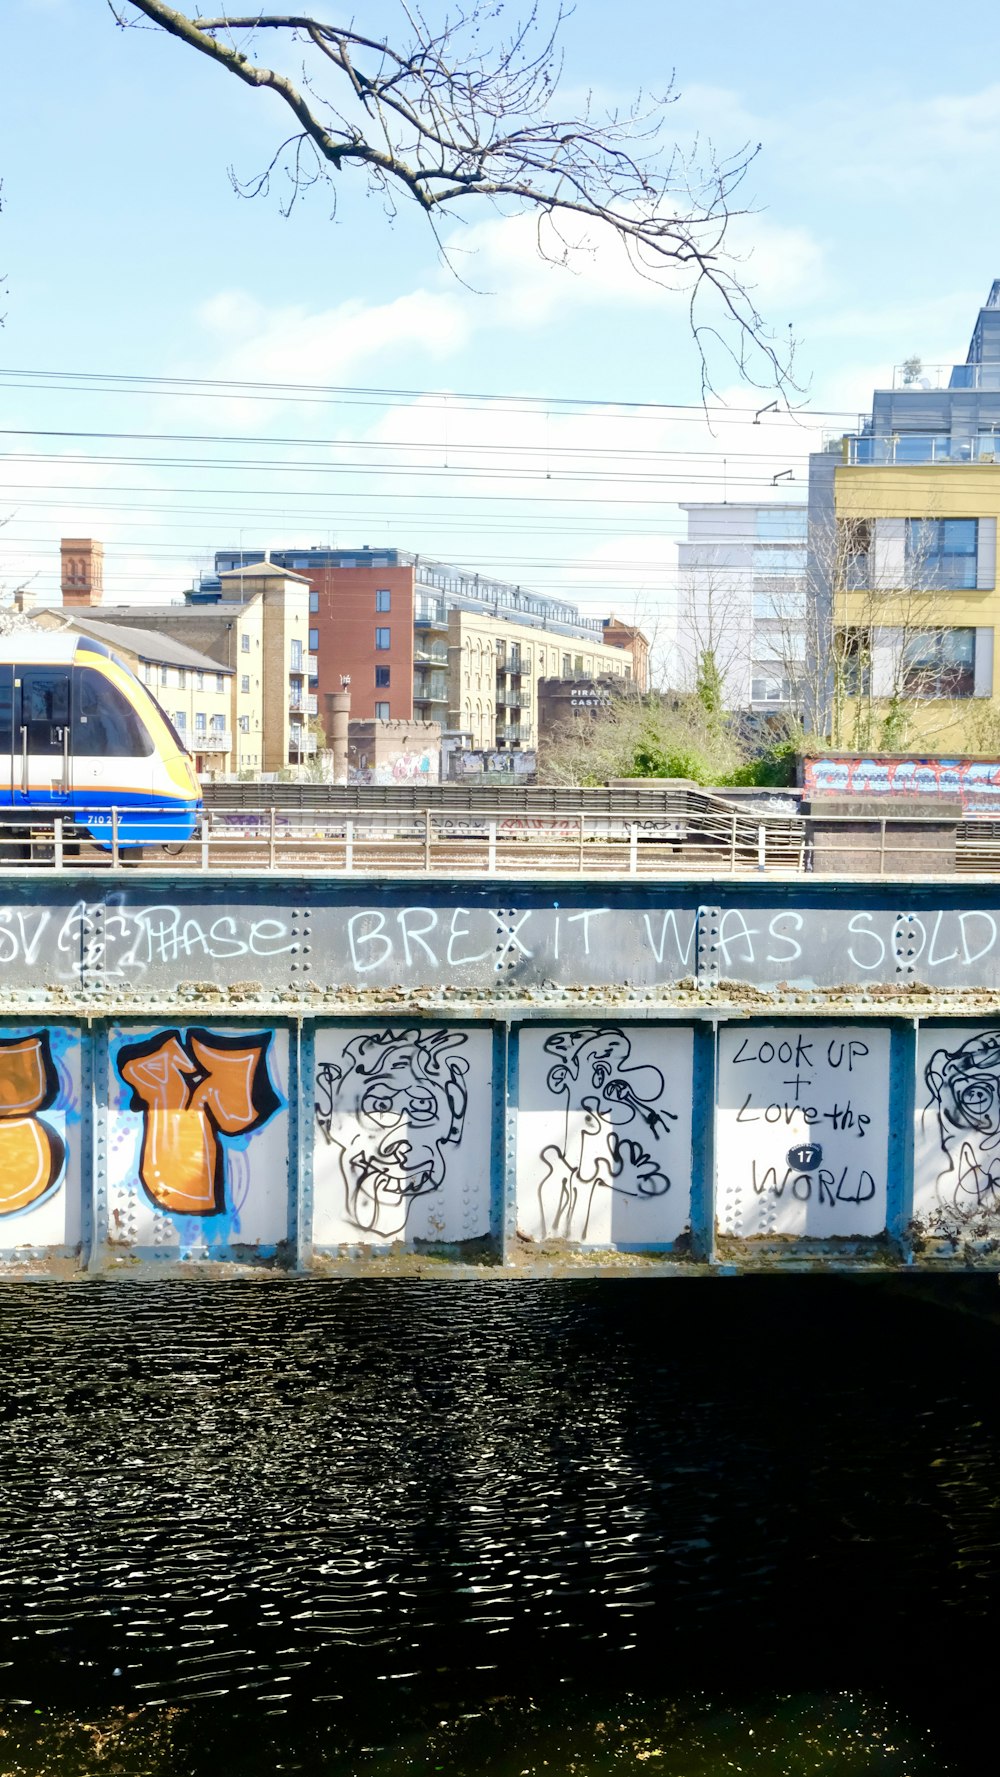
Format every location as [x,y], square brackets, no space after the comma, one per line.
[444,115]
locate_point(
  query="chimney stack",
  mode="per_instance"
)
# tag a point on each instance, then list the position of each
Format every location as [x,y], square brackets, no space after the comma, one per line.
[82,571]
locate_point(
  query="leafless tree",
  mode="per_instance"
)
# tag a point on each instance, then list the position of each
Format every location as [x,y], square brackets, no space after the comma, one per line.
[873,660]
[466,108]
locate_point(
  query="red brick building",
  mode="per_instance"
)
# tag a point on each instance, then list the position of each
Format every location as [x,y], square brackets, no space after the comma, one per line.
[361,623]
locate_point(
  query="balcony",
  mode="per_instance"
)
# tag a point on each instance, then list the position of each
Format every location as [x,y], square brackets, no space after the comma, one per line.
[430,654]
[919,376]
[432,690]
[312,665]
[907,448]
[215,740]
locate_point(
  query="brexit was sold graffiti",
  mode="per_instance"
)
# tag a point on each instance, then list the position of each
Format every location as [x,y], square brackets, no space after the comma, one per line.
[32,1152]
[195,1094]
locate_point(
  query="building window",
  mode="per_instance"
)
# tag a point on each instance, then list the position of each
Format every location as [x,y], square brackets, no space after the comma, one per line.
[182,679]
[940,663]
[313,641]
[200,722]
[381,712]
[244,724]
[199,681]
[941,552]
[244,643]
[383,640]
[314,601]
[218,724]
[220,681]
[383,599]
[164,675]
[180,720]
[776,524]
[296,655]
[245,683]
[381,678]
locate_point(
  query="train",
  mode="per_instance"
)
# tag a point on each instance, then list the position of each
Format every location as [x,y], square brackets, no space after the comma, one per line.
[81,736]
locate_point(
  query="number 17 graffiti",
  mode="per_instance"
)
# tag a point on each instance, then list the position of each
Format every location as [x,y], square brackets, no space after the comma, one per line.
[194,1093]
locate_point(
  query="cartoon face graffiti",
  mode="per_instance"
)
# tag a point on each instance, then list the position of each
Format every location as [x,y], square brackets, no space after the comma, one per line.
[964,1085]
[392,1107]
[602,1095]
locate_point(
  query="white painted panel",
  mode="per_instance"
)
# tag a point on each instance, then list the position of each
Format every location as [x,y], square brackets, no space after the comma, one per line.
[889,554]
[403,1138]
[604,1134]
[984,663]
[40,1108]
[198,1138]
[956,1183]
[887,645]
[986,559]
[802,1130]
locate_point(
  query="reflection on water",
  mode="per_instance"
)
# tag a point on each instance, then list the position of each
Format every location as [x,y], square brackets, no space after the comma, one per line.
[495,1527]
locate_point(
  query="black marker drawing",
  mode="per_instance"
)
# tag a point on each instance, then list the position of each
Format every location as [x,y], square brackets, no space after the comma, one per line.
[392,1106]
[602,1095]
[964,1085]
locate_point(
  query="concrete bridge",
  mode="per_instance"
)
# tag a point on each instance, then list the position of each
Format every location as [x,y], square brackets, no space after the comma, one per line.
[279,1071]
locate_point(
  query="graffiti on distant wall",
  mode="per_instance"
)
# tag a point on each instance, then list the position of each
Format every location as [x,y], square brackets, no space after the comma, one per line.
[400,768]
[32,1151]
[973,782]
[802,1130]
[604,1134]
[957,1174]
[194,1094]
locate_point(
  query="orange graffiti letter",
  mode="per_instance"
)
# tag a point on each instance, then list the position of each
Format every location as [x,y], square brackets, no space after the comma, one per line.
[190,1094]
[31,1154]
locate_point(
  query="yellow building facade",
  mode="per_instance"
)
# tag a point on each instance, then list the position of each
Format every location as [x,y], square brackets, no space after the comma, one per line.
[493,668]
[915,605]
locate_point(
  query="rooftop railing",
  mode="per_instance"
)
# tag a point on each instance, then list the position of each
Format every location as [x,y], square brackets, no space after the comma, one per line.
[902,448]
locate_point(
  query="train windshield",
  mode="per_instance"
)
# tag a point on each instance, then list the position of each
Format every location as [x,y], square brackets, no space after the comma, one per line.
[105,726]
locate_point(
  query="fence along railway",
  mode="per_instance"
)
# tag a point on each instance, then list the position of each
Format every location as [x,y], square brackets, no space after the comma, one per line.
[473,831]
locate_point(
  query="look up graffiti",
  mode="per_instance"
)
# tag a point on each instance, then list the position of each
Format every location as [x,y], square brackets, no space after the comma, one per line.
[802,1130]
[178,1142]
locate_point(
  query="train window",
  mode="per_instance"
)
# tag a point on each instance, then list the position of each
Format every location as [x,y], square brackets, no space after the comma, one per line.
[105,726]
[45,707]
[6,708]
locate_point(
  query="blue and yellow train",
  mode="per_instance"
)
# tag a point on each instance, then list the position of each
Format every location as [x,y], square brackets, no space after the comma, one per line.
[81,736]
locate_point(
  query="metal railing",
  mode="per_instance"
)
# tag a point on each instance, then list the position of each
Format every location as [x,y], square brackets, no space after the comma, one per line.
[690,834]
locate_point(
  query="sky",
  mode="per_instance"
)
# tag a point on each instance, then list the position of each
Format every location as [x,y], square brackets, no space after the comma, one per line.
[530,422]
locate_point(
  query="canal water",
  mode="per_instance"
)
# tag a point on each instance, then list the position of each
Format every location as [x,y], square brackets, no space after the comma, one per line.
[537,1528]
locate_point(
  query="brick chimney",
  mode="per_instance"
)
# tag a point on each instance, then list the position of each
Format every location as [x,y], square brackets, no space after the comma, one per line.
[82,571]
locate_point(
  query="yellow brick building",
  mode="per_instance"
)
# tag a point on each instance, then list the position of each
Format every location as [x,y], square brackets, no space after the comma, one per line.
[903,522]
[492,670]
[923,622]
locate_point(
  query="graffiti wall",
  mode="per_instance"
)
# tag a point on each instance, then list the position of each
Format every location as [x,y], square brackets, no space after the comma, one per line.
[956,1174]
[176,1141]
[40,1114]
[604,1134]
[197,1138]
[403,1139]
[973,782]
[802,1130]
